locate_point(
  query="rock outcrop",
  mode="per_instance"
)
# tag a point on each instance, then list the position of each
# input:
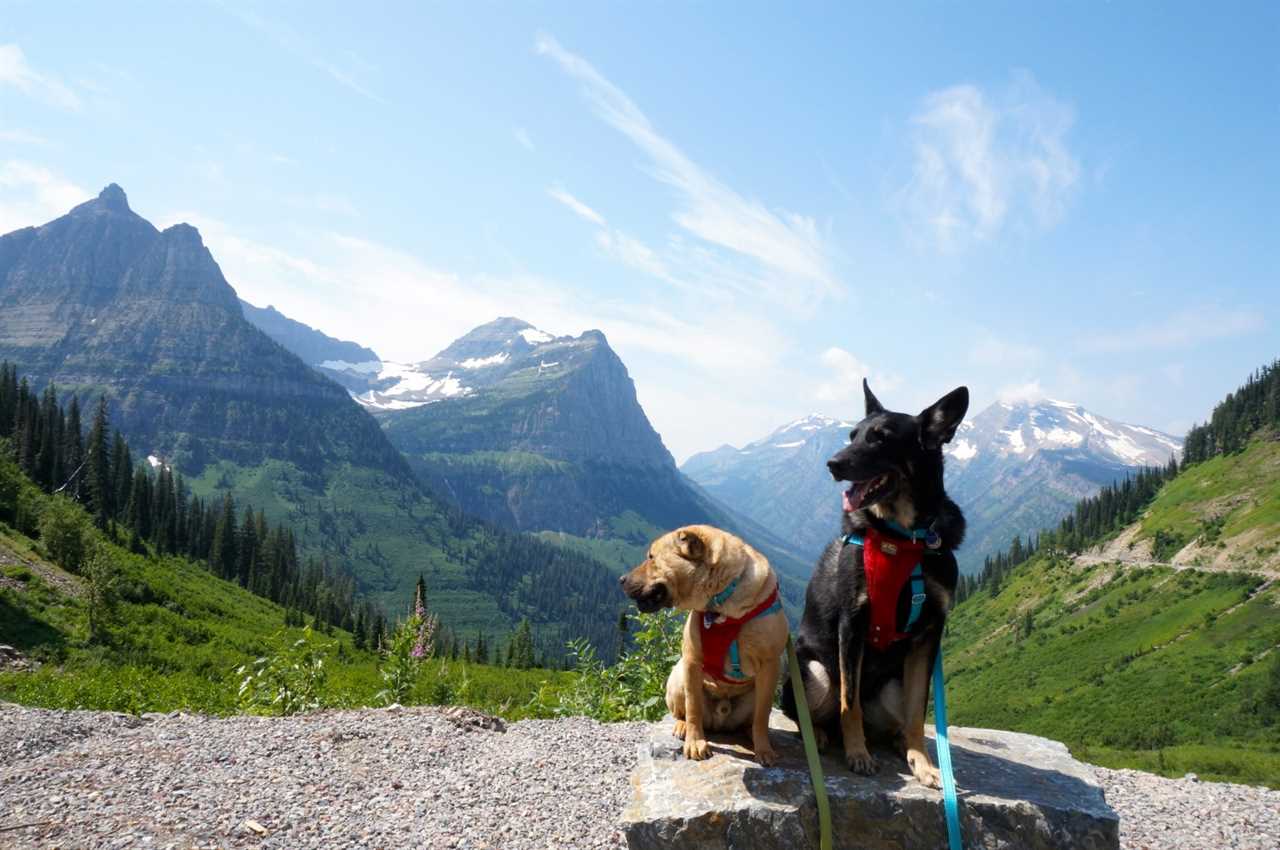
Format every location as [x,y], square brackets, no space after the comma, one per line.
[1016,791]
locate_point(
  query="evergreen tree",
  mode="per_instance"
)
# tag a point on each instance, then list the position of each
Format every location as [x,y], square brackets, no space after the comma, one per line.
[98,466]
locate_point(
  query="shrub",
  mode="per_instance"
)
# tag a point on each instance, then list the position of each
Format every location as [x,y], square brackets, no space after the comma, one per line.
[634,687]
[101,597]
[286,683]
[64,529]
[412,641]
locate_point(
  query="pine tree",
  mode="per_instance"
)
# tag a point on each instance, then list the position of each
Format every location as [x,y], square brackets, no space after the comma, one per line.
[222,553]
[98,467]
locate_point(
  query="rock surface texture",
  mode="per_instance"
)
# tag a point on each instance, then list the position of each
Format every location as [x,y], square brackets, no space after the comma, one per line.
[1016,791]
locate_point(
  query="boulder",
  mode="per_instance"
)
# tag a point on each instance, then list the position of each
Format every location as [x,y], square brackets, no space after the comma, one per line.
[1016,791]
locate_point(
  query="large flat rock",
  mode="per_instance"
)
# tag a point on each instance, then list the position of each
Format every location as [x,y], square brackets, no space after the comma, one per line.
[1016,791]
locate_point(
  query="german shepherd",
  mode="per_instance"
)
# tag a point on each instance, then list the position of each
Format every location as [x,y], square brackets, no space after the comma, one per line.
[893,464]
[723,583]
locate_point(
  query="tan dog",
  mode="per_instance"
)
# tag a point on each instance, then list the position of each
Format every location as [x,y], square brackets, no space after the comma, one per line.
[715,576]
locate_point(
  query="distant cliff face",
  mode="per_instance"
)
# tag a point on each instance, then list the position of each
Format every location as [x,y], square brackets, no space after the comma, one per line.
[99,300]
[540,433]
[335,358]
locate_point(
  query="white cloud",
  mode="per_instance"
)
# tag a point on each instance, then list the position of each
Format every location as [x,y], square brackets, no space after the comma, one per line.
[846,374]
[346,73]
[578,207]
[525,140]
[22,137]
[980,164]
[787,256]
[32,194]
[1029,393]
[1183,329]
[17,72]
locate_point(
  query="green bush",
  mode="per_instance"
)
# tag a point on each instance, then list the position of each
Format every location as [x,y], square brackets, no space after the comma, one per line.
[286,683]
[631,689]
[64,530]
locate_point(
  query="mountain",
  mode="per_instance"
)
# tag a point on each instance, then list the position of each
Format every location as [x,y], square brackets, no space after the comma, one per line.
[347,363]
[1144,633]
[1013,468]
[544,433]
[100,301]
[1016,468]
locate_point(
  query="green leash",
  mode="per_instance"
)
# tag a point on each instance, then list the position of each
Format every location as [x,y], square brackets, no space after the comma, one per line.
[810,748]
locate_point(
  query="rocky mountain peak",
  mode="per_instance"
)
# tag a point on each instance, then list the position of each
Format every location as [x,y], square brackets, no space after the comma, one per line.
[112,199]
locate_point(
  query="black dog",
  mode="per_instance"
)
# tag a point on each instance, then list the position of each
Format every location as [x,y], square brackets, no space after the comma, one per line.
[866,646]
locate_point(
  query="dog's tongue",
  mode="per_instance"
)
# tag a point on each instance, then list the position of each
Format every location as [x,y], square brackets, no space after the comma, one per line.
[852,498]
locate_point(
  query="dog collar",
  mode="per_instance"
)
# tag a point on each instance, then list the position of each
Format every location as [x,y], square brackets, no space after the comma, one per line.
[723,596]
[927,535]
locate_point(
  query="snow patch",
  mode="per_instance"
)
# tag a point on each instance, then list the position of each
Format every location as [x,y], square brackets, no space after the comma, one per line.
[481,362]
[1063,437]
[533,336]
[1126,448]
[963,450]
[1015,440]
[788,445]
[155,462]
[369,367]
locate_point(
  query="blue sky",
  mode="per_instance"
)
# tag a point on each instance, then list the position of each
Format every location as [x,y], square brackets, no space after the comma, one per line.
[758,205]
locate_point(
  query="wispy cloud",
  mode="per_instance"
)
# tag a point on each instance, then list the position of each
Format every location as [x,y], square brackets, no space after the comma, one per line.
[22,137]
[1183,329]
[15,71]
[624,248]
[578,207]
[1028,393]
[523,137]
[789,253]
[31,194]
[981,163]
[346,71]
[845,373]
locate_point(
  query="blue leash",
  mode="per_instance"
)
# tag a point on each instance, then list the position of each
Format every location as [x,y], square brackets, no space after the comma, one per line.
[949,801]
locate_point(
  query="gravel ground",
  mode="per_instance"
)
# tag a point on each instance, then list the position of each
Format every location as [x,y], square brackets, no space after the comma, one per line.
[417,778]
[1186,814]
[403,778]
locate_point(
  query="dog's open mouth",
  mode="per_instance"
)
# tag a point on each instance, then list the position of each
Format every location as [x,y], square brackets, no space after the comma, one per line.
[864,493]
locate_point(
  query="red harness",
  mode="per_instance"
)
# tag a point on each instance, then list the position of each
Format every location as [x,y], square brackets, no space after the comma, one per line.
[888,564]
[720,639]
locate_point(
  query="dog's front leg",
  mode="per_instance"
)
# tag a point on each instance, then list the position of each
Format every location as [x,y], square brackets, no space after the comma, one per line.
[695,738]
[852,637]
[915,694]
[766,674]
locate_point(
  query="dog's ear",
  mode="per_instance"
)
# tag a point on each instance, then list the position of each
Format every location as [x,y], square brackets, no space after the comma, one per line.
[873,403]
[938,421]
[690,544]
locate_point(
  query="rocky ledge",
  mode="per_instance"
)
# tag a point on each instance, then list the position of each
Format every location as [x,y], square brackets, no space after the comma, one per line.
[1016,791]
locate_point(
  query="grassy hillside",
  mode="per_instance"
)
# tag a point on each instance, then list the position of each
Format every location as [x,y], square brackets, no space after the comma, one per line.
[177,635]
[1228,507]
[1170,668]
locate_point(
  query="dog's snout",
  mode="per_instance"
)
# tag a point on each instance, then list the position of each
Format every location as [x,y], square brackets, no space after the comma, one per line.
[833,465]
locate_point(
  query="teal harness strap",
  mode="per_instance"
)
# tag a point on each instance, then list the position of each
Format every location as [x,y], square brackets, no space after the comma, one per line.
[735,667]
[949,801]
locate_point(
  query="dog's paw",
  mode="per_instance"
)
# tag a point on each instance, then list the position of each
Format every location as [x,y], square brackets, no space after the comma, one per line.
[678,730]
[696,749]
[860,761]
[767,756]
[925,773]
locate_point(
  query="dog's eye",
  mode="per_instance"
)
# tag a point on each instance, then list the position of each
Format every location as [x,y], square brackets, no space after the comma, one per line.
[853,435]
[874,436]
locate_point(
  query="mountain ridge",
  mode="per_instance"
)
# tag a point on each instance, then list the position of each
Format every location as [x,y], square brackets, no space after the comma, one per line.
[1035,473]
